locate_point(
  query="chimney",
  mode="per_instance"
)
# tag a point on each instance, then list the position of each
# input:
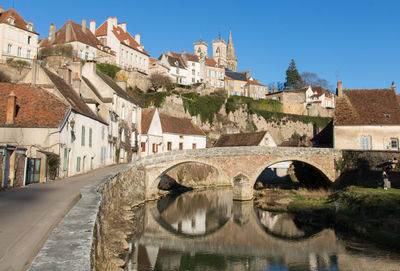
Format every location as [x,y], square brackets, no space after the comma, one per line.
[84,25]
[394,87]
[52,33]
[11,108]
[68,32]
[115,21]
[93,26]
[137,38]
[123,26]
[339,89]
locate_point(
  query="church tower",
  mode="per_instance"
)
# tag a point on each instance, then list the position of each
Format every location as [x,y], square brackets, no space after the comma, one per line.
[219,51]
[200,48]
[230,55]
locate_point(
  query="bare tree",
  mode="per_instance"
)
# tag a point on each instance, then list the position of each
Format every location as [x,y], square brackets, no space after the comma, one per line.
[312,79]
[159,80]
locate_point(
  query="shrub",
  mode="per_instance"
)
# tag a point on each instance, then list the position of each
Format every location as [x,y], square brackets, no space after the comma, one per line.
[109,69]
[205,106]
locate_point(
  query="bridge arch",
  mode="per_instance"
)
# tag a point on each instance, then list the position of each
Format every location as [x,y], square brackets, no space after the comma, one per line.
[221,179]
[318,167]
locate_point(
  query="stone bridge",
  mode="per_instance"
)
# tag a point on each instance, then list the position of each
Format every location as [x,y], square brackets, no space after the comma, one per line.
[238,167]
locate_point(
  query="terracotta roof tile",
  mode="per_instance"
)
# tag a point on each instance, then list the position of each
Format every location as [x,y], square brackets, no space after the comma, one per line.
[191,57]
[240,139]
[122,36]
[367,107]
[147,117]
[211,62]
[18,20]
[181,126]
[77,34]
[35,107]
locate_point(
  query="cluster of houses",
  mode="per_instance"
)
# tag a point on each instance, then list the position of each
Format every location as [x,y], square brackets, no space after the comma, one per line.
[64,120]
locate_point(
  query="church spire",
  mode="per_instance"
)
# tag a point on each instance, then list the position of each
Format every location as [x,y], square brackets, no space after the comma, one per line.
[230,54]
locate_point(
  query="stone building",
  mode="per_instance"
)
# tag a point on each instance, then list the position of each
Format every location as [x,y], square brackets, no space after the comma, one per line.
[367,119]
[176,68]
[255,89]
[130,53]
[236,83]
[18,39]
[214,74]
[83,41]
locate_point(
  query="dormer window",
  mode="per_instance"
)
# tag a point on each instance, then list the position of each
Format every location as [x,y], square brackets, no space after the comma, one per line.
[127,42]
[387,116]
[11,20]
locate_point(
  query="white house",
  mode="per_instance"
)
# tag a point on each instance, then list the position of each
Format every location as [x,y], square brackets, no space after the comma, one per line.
[52,122]
[123,113]
[177,70]
[161,133]
[84,43]
[367,119]
[18,39]
[130,52]
[319,95]
[193,67]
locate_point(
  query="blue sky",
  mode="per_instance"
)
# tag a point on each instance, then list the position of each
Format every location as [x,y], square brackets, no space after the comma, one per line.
[356,41]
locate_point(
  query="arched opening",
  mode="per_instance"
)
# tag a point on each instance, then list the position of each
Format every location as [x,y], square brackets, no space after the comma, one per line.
[292,174]
[196,213]
[189,175]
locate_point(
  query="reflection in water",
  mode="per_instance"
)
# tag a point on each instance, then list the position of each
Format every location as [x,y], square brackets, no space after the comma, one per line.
[196,212]
[206,230]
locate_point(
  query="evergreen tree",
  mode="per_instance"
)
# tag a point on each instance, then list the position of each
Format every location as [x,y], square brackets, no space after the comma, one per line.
[293,78]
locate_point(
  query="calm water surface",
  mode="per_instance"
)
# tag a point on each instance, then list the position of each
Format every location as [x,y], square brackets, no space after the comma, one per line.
[207,230]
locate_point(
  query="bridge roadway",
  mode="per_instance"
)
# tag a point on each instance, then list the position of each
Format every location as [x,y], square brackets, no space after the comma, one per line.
[237,167]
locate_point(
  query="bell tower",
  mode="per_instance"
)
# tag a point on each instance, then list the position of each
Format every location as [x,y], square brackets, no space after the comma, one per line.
[219,51]
[200,48]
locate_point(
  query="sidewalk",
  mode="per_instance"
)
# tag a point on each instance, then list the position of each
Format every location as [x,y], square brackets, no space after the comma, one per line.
[29,214]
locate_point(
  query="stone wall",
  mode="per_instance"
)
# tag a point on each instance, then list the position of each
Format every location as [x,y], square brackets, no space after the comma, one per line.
[136,79]
[365,168]
[15,74]
[239,121]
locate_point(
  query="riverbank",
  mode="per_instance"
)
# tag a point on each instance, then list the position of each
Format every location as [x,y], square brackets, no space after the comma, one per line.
[370,213]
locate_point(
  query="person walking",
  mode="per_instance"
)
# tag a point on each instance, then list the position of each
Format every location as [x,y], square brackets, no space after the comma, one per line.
[385,180]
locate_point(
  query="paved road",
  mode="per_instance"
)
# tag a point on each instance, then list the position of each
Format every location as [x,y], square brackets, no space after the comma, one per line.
[29,214]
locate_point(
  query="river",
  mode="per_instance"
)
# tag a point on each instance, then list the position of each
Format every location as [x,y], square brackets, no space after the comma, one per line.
[207,230]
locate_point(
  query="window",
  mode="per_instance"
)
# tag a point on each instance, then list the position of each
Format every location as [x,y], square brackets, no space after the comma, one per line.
[193,64]
[28,54]
[241,86]
[11,20]
[209,73]
[194,146]
[102,132]
[133,139]
[19,51]
[181,146]
[9,49]
[192,80]
[394,143]
[193,72]
[90,137]
[365,142]
[154,147]
[143,144]
[83,136]
[78,164]
[123,135]
[133,116]
[177,71]
[169,146]
[29,39]
[65,161]
[123,112]
[86,55]
[236,85]
[83,163]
